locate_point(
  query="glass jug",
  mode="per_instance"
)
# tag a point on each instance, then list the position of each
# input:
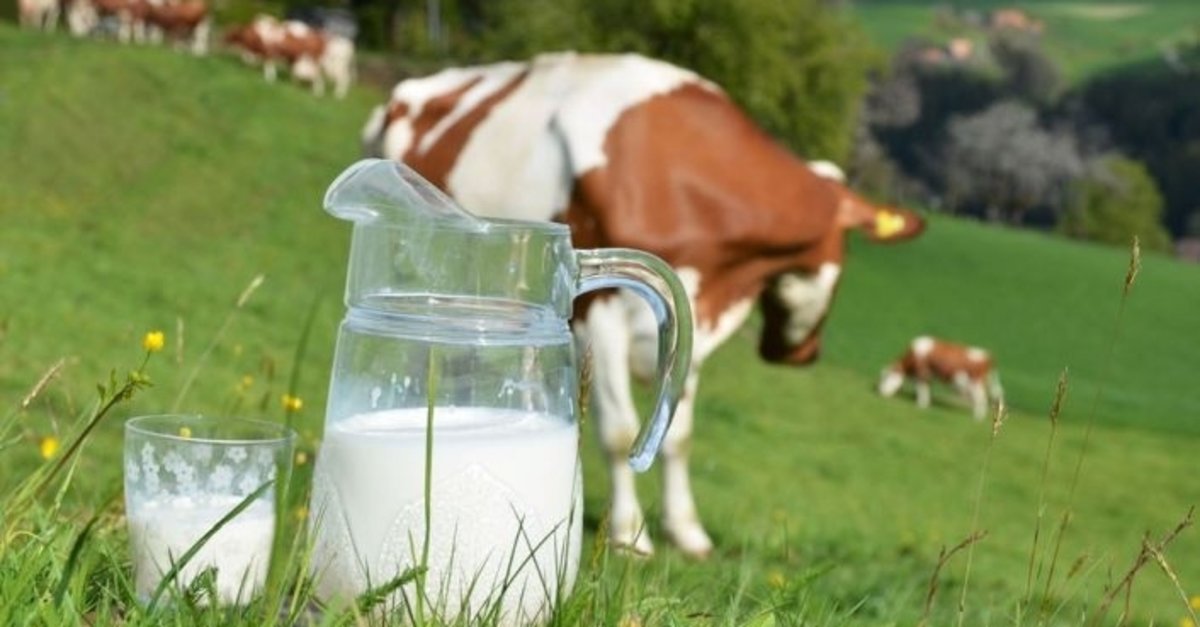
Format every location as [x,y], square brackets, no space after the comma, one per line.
[456,342]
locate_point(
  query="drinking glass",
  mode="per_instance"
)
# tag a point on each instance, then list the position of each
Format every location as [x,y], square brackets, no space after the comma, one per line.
[184,474]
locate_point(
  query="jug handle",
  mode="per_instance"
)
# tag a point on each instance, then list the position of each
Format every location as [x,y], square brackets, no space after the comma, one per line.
[655,281]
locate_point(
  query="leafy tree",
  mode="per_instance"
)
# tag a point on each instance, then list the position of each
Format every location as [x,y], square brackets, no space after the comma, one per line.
[1003,162]
[1116,200]
[1150,112]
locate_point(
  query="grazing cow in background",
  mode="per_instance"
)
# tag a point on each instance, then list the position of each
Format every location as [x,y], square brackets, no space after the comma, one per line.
[81,17]
[184,21]
[968,368]
[634,152]
[39,14]
[311,55]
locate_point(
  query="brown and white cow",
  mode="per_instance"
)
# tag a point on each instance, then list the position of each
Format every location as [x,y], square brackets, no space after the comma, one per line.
[637,153]
[311,55]
[183,21]
[968,368]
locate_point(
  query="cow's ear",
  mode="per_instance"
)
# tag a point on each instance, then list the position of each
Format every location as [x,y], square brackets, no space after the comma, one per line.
[894,225]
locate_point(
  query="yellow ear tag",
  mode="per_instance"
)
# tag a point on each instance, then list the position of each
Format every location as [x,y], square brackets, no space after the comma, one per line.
[888,224]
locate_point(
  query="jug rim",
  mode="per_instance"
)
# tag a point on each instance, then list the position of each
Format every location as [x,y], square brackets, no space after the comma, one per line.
[484,225]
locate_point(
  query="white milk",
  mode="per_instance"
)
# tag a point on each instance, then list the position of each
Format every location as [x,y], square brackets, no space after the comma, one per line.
[162,530]
[506,487]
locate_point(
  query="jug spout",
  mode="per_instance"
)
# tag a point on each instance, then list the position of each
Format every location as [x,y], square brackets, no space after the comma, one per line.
[380,191]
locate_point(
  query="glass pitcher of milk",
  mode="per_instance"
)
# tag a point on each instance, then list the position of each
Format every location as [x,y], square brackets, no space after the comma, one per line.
[456,343]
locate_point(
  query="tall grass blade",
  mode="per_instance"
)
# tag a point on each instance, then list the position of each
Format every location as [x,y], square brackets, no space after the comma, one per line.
[76,550]
[1131,273]
[1060,394]
[431,383]
[997,421]
[369,600]
[293,387]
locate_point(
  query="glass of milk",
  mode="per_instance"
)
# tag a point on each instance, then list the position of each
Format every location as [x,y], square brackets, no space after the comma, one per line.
[186,473]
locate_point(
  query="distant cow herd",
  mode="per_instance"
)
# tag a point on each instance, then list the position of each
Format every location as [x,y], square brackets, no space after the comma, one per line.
[308,53]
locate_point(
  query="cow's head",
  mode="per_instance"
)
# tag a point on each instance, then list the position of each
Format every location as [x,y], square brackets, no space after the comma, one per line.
[890,380]
[795,303]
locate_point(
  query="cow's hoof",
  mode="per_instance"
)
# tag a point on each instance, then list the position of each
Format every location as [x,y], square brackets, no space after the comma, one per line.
[691,540]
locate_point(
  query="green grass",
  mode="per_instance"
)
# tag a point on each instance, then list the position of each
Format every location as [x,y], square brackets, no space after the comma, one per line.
[140,187]
[1083,36]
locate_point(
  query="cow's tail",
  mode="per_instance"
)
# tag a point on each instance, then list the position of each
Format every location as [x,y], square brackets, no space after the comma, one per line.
[372,133]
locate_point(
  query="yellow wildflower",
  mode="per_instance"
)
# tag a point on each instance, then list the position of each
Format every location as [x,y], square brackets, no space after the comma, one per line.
[185,432]
[301,458]
[154,341]
[48,446]
[247,380]
[1186,622]
[292,403]
[1195,602]
[776,579]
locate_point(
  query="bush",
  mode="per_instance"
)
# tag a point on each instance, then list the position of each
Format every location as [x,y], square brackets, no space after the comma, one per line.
[797,67]
[1115,201]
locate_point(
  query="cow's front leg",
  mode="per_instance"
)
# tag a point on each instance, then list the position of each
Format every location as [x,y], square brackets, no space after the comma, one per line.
[923,394]
[606,335]
[681,521]
[269,71]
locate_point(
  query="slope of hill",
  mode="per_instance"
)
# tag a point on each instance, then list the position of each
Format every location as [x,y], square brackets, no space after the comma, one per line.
[143,189]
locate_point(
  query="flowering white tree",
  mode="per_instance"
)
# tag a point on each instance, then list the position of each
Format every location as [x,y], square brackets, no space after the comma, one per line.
[1003,161]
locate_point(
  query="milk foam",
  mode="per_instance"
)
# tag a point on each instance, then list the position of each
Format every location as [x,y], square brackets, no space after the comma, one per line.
[506,508]
[162,530]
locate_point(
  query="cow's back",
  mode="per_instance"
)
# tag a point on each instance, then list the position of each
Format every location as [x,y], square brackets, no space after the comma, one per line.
[509,139]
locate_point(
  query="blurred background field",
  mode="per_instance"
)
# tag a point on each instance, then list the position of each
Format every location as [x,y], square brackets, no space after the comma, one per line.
[1084,37]
[143,189]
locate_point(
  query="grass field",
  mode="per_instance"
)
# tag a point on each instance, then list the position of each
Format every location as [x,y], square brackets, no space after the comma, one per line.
[1083,36]
[141,189]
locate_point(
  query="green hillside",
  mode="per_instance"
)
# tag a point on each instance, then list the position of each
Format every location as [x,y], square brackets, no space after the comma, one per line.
[142,189]
[1083,36]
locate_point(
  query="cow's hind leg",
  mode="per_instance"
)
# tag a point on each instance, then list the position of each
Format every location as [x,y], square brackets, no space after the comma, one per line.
[200,37]
[681,521]
[979,399]
[606,335]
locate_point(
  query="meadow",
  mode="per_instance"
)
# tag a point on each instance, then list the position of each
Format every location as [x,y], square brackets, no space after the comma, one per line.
[1083,36]
[142,189]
